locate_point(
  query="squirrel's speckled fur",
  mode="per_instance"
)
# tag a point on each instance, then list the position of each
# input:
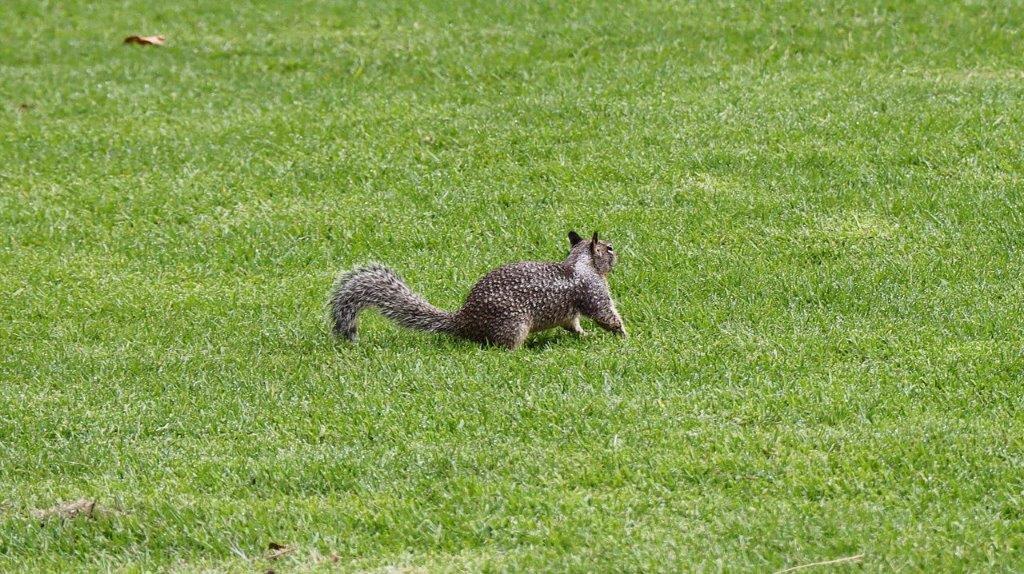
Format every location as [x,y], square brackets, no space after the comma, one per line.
[502,309]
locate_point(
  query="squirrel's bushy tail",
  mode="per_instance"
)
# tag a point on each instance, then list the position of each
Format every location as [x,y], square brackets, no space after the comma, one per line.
[375,285]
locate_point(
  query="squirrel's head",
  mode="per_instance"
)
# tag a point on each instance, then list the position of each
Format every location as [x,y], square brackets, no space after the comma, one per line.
[599,252]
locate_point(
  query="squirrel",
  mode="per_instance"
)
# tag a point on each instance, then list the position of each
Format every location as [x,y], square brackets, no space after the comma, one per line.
[502,309]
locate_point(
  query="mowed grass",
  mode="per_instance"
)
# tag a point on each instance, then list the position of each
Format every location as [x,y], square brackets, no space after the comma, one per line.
[817,207]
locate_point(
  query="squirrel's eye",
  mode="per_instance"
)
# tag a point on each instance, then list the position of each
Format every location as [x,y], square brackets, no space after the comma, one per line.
[610,248]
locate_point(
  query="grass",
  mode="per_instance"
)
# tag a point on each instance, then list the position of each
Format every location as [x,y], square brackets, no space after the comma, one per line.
[817,208]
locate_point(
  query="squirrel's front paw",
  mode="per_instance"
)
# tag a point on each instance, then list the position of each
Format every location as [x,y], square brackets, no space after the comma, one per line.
[621,331]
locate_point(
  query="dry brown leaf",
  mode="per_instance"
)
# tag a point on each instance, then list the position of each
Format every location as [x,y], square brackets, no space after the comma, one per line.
[145,40]
[277,550]
[67,510]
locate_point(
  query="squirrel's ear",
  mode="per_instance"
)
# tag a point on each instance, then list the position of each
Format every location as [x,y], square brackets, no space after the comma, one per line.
[593,242]
[574,238]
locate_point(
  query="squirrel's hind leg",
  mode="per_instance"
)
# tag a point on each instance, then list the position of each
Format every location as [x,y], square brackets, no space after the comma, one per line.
[512,335]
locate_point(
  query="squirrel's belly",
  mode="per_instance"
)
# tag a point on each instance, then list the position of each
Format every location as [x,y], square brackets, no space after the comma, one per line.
[545,321]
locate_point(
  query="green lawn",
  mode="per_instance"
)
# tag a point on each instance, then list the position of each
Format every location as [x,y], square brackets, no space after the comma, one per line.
[818,210]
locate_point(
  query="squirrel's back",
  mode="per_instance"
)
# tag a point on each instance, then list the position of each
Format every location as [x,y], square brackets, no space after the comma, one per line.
[540,293]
